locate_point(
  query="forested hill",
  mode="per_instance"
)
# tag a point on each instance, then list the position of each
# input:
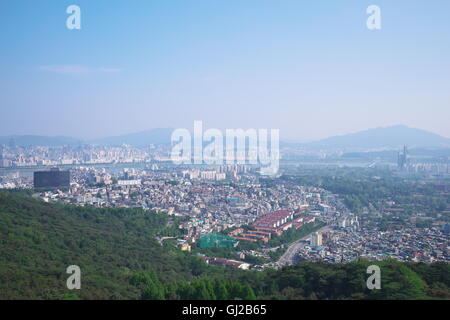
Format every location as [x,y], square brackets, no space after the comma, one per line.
[120,259]
[38,241]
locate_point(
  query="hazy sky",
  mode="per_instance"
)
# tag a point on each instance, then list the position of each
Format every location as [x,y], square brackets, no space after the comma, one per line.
[310,68]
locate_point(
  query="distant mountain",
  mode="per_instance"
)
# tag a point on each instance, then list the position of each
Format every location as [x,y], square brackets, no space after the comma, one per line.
[139,139]
[382,138]
[31,140]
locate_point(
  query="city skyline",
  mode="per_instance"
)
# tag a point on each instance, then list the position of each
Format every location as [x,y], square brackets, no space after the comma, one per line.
[313,70]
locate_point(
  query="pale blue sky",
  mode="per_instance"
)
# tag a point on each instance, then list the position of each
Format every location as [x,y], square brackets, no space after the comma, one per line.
[310,68]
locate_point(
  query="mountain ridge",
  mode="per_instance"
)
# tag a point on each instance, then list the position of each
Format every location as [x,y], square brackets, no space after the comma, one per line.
[391,137]
[380,138]
[38,140]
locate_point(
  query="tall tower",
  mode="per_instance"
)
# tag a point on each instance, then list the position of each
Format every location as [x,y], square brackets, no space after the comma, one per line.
[403,158]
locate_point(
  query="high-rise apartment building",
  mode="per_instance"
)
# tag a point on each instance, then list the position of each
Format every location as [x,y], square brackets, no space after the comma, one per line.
[55,178]
[316,239]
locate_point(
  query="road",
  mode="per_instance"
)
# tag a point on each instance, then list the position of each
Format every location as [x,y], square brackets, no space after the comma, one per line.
[288,257]
[164,238]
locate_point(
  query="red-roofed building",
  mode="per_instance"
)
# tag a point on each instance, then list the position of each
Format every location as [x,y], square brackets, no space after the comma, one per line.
[274,219]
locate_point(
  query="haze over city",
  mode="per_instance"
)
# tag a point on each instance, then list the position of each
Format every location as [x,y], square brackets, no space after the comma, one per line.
[232,157]
[311,69]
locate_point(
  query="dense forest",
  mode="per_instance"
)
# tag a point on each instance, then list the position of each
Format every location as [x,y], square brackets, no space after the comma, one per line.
[38,241]
[309,281]
[120,258]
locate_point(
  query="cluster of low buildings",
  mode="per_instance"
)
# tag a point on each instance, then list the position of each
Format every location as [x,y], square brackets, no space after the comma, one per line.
[347,244]
[14,180]
[216,198]
[272,224]
[210,205]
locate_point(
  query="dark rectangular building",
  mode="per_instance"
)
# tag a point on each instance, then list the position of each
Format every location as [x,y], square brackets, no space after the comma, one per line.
[54,178]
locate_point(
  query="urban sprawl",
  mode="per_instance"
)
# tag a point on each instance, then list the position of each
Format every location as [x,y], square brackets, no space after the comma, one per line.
[218,206]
